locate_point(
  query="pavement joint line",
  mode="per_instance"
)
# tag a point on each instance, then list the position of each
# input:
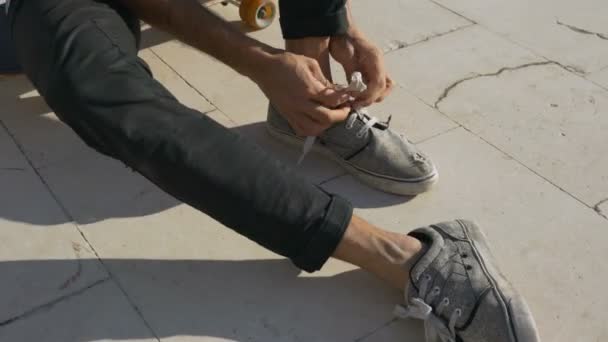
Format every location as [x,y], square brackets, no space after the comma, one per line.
[49,305]
[403,45]
[458,125]
[370,333]
[454,12]
[457,83]
[582,30]
[530,169]
[78,228]
[192,86]
[597,84]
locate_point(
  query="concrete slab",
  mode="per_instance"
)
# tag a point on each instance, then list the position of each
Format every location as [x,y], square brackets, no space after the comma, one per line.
[44,138]
[396,330]
[549,119]
[549,244]
[33,227]
[235,95]
[100,313]
[428,69]
[410,116]
[602,208]
[193,278]
[573,33]
[404,22]
[11,157]
[184,93]
[600,77]
[99,188]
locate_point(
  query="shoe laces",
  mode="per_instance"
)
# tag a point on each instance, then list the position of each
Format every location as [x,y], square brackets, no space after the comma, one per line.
[356,85]
[363,115]
[435,328]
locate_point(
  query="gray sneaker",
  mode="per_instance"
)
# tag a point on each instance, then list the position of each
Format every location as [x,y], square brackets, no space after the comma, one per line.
[459,292]
[368,150]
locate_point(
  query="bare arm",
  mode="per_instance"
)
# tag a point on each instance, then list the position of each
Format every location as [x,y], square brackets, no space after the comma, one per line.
[294,84]
[198,27]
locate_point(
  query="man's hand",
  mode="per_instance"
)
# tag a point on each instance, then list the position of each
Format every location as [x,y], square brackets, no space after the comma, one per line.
[296,87]
[294,84]
[355,53]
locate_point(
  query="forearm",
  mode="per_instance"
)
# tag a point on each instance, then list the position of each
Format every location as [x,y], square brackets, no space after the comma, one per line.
[352,28]
[198,27]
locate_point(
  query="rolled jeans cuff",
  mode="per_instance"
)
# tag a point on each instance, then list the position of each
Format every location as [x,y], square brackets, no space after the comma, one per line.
[323,244]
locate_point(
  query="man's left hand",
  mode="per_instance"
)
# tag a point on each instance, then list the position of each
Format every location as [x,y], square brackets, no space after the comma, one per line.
[355,53]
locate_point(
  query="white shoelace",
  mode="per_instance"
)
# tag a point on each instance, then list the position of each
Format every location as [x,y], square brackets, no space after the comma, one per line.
[435,329]
[356,85]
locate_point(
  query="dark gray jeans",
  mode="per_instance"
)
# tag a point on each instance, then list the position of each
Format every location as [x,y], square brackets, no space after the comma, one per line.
[312,18]
[81,55]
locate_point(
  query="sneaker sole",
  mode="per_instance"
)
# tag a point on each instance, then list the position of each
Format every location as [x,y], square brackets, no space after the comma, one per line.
[395,186]
[519,314]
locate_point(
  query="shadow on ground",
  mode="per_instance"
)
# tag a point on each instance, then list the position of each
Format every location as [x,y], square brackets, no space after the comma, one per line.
[250,300]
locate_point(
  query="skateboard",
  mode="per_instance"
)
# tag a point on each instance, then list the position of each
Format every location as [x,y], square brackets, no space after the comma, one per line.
[257,14]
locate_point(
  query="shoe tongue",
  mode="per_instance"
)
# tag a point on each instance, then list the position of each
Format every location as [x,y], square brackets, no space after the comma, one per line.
[434,243]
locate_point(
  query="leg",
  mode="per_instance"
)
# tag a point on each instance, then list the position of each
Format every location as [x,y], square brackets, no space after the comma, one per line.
[453,283]
[307,26]
[82,57]
[387,255]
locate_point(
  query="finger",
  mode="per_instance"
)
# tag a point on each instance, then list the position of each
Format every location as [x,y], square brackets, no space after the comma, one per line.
[316,71]
[387,90]
[304,126]
[375,88]
[327,117]
[332,98]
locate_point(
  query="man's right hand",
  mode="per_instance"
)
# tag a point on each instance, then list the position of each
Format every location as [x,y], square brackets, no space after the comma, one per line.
[296,87]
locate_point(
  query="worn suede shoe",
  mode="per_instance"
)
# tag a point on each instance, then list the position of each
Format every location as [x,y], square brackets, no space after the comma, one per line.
[457,289]
[368,150]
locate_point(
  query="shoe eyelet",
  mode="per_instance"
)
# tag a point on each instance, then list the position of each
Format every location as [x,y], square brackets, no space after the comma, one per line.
[464,255]
[436,290]
[468,267]
[458,312]
[445,301]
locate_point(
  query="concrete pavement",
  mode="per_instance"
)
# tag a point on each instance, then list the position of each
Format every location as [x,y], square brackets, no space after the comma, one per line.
[509,98]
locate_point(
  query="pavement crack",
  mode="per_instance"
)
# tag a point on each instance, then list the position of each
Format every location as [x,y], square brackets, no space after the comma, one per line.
[448,89]
[599,210]
[74,277]
[582,30]
[395,44]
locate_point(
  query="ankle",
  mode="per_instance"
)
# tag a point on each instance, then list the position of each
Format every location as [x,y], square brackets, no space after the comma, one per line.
[314,47]
[388,255]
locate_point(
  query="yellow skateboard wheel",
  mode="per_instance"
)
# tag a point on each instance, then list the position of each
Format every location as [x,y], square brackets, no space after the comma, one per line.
[258,14]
